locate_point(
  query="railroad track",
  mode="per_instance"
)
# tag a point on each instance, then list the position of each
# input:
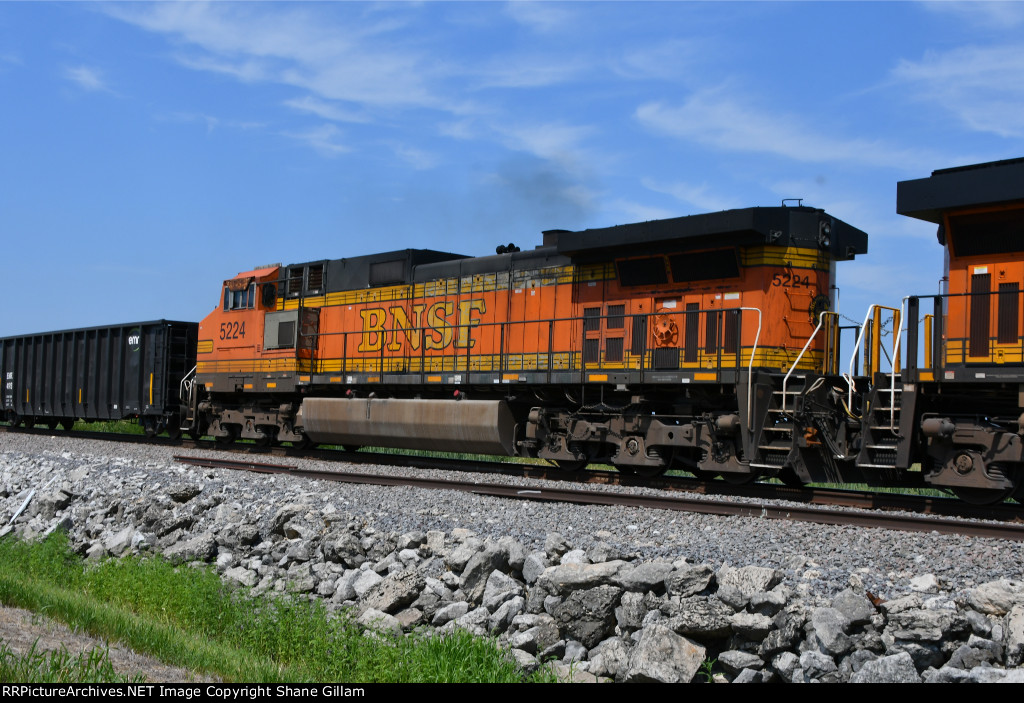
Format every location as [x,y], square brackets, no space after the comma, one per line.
[908,523]
[804,503]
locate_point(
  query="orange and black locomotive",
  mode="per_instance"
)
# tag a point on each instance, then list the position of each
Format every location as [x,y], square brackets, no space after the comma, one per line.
[642,345]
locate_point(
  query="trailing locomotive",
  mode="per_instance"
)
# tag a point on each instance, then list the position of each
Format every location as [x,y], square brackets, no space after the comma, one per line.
[706,343]
[959,404]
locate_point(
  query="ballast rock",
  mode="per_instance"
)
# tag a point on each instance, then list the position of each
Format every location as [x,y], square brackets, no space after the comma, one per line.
[656,616]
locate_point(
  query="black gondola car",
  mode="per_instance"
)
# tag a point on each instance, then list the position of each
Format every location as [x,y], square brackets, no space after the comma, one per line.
[98,373]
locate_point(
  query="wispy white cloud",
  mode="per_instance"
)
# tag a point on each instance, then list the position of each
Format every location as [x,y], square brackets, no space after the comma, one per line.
[326,110]
[324,139]
[640,212]
[556,141]
[531,71]
[540,16]
[981,85]
[419,159]
[712,118]
[87,78]
[999,15]
[246,71]
[461,129]
[209,121]
[700,196]
[352,61]
[669,60]
[353,66]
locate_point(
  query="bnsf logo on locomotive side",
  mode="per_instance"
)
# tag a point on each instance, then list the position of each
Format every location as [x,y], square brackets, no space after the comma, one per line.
[381,326]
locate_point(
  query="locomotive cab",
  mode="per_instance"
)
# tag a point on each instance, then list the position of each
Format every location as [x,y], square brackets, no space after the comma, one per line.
[246,345]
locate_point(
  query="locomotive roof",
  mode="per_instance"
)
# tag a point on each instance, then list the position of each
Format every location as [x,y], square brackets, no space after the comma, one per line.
[776,226]
[948,189]
[414,256]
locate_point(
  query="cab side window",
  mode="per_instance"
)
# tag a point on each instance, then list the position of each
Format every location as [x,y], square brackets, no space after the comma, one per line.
[244,299]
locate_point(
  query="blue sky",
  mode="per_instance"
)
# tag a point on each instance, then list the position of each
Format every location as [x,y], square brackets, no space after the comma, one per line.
[149,151]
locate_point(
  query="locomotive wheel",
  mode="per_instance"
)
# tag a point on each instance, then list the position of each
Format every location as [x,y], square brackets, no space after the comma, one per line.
[269,437]
[686,462]
[174,431]
[983,496]
[52,424]
[67,423]
[350,447]
[652,471]
[991,496]
[571,466]
[584,453]
[229,438]
[735,479]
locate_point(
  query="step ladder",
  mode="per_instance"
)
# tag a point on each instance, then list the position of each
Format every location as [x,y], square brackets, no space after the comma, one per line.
[880,434]
[776,439]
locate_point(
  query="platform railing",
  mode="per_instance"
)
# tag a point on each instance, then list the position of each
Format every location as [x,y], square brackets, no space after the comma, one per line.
[869,343]
[832,334]
[966,328]
[186,387]
[699,346]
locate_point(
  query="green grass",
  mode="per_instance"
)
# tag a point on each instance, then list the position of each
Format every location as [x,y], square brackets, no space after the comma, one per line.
[184,616]
[113,426]
[59,666]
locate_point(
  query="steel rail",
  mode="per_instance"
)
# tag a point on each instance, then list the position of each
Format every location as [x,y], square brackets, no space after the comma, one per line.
[834,497]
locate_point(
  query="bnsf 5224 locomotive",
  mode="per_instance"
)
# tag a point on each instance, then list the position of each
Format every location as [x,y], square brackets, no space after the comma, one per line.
[643,345]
